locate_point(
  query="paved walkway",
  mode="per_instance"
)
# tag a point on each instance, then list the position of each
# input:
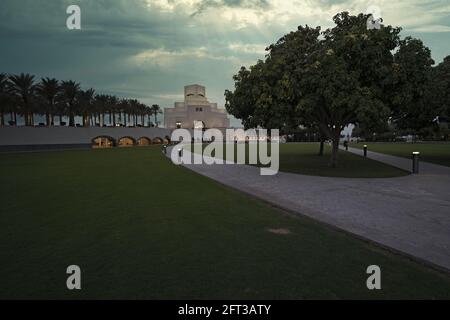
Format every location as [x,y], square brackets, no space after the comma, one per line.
[410,214]
[403,163]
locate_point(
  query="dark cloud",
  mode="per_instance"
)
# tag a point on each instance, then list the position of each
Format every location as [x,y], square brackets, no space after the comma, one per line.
[35,39]
[255,4]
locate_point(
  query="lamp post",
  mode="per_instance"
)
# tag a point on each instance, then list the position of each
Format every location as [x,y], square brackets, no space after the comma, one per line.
[415,162]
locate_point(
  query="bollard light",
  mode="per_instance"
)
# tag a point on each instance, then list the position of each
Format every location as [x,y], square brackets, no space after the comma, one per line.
[365,150]
[415,162]
[180,152]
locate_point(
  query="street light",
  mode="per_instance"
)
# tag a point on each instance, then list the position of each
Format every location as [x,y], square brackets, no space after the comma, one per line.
[415,162]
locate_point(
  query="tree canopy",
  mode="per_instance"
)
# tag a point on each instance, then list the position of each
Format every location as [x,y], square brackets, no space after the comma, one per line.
[348,74]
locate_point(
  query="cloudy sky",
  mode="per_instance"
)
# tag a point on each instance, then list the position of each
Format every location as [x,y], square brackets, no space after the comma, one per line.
[149,49]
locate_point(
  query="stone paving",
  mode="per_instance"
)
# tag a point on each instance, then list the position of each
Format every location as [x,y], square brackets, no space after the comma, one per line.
[410,214]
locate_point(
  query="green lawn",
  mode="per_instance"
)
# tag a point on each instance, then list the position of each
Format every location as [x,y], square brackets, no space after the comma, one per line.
[303,158]
[438,153]
[141,227]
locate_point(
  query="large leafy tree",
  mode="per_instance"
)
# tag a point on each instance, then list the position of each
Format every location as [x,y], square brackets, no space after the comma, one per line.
[441,89]
[412,79]
[326,79]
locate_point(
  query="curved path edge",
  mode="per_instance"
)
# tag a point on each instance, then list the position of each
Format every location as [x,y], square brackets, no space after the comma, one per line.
[409,214]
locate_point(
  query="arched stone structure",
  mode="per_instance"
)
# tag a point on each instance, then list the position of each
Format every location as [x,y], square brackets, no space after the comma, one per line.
[157,140]
[166,140]
[126,142]
[144,141]
[103,142]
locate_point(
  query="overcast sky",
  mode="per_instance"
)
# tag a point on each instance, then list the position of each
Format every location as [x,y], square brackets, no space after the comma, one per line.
[150,49]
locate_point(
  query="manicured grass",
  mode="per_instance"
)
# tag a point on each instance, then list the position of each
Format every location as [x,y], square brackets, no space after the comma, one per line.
[438,153]
[303,158]
[141,227]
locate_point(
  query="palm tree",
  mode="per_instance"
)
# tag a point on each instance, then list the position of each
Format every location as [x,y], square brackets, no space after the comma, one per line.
[86,103]
[113,106]
[23,87]
[155,110]
[69,94]
[48,90]
[134,107]
[101,106]
[3,97]
[124,108]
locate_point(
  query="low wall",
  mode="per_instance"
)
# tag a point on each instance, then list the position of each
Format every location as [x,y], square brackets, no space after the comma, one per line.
[35,138]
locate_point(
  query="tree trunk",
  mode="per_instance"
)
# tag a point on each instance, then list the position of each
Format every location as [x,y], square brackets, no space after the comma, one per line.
[322,143]
[156,124]
[86,120]
[60,119]
[125,119]
[71,119]
[335,148]
[47,119]
[2,119]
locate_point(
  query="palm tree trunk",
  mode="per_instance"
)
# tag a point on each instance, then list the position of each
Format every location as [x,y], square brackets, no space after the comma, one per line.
[86,120]
[71,120]
[60,119]
[156,124]
[125,119]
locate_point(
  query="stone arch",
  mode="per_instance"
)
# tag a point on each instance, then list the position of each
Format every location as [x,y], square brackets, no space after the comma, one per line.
[144,141]
[103,142]
[157,140]
[126,142]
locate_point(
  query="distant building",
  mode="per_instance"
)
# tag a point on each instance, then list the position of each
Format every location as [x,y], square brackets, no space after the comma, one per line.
[195,112]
